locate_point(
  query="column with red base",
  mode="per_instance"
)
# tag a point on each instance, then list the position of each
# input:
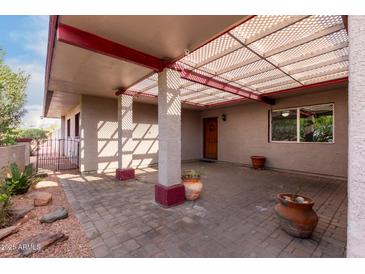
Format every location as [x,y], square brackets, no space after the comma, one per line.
[125,138]
[169,191]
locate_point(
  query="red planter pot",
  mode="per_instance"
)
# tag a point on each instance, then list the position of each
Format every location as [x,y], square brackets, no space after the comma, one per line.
[297,219]
[258,162]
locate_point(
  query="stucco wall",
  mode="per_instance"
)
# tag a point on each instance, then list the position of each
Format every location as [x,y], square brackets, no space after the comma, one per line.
[99,135]
[245,133]
[18,154]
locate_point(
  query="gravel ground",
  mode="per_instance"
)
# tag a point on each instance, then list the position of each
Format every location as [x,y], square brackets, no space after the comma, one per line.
[75,246]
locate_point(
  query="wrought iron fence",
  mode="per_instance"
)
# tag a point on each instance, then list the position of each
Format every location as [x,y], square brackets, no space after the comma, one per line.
[57,154]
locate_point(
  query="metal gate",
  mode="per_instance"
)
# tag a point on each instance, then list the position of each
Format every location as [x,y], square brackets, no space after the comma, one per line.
[57,154]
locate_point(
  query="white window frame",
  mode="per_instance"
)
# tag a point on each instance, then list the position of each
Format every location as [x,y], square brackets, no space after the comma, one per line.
[298,124]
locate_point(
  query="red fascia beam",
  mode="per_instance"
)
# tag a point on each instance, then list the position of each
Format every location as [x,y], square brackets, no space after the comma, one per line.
[330,82]
[82,39]
[321,84]
[213,83]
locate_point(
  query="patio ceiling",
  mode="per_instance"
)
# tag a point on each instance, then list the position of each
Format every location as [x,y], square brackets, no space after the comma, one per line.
[96,55]
[232,59]
[264,56]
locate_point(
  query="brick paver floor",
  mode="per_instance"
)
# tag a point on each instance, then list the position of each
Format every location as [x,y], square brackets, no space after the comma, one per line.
[233,218]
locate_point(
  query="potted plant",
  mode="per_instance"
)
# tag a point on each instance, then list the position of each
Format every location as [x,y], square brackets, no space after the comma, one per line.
[192,183]
[296,214]
[258,162]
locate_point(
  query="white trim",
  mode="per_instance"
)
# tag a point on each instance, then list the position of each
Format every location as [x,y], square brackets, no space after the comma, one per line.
[298,125]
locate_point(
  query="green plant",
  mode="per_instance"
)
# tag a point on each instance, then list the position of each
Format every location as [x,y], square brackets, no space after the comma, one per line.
[191,174]
[4,204]
[19,182]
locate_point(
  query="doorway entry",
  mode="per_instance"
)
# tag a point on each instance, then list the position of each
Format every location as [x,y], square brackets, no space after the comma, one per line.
[210,136]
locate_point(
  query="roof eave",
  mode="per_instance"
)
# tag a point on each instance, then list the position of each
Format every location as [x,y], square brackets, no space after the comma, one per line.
[53,20]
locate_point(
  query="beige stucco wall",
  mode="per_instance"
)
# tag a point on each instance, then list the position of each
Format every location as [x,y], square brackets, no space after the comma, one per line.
[245,133]
[99,135]
[18,154]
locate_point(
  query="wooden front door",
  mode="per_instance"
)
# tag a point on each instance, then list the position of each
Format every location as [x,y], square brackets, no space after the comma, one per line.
[210,138]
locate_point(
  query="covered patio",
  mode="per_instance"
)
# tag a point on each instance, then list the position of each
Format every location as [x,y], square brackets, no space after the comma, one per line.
[145,91]
[234,217]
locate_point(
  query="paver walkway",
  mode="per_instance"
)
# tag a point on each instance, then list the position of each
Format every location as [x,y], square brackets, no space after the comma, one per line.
[233,218]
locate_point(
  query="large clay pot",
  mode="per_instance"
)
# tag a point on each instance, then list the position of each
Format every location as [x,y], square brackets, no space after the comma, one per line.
[297,219]
[193,188]
[258,162]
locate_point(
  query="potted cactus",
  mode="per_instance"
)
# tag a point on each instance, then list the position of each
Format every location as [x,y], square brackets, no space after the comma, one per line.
[192,183]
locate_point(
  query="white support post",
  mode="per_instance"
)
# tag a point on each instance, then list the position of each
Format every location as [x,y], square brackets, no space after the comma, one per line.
[356,133]
[169,191]
[125,138]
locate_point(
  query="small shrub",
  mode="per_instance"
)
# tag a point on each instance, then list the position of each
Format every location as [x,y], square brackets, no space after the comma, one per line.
[4,204]
[19,182]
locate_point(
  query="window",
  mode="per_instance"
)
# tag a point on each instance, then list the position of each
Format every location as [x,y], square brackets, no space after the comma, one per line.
[284,125]
[77,125]
[310,124]
[68,127]
[316,124]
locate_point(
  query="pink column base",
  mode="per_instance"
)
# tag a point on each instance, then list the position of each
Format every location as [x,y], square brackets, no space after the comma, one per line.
[169,196]
[122,174]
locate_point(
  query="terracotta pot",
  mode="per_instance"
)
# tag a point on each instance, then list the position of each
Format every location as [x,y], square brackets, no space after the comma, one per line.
[193,188]
[258,162]
[297,219]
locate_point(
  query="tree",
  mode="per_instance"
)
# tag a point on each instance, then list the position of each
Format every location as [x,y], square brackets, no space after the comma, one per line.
[12,101]
[34,133]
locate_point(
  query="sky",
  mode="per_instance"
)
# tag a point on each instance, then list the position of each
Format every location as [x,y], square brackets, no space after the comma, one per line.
[24,40]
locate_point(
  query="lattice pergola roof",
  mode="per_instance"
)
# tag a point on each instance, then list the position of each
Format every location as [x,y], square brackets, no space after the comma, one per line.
[263,55]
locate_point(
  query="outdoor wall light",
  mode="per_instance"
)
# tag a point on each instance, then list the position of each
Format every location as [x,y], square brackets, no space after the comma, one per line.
[285,113]
[224,117]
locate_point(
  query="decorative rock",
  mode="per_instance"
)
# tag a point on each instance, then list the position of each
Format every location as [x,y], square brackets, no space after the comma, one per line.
[53,216]
[299,200]
[44,184]
[5,232]
[18,212]
[40,242]
[187,220]
[41,198]
[25,219]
